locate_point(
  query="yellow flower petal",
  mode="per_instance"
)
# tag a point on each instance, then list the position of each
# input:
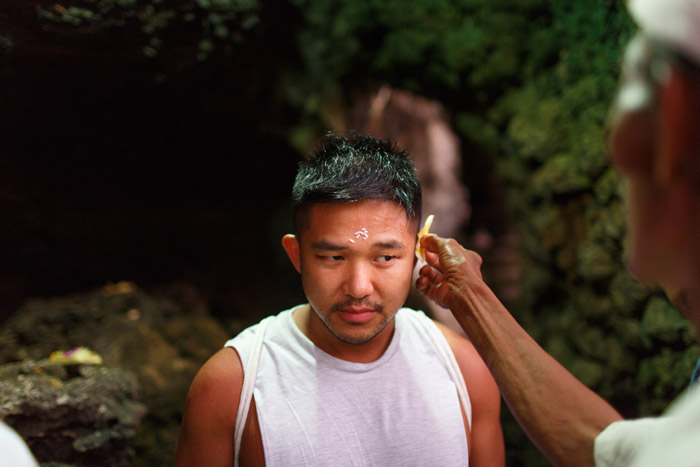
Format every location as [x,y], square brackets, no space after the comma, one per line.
[423,232]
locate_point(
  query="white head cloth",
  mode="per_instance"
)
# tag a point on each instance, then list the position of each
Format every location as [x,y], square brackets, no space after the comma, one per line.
[674,22]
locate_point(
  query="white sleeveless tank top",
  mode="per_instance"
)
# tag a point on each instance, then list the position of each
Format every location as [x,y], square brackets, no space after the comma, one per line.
[318,410]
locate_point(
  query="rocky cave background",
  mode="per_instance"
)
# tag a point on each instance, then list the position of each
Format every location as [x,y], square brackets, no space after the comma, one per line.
[147,149]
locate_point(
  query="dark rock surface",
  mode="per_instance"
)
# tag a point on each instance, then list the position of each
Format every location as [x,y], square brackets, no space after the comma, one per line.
[153,341]
[81,415]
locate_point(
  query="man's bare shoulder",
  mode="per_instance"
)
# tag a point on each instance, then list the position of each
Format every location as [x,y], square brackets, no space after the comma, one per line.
[474,370]
[206,435]
[460,345]
[486,434]
[221,377]
[222,365]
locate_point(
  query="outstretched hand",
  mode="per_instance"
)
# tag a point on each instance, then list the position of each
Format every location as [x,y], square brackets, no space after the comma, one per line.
[452,270]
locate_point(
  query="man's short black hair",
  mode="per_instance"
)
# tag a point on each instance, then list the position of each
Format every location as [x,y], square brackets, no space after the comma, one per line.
[350,168]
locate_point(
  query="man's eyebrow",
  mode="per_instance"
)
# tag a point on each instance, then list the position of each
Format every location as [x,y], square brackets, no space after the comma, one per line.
[327,246]
[389,245]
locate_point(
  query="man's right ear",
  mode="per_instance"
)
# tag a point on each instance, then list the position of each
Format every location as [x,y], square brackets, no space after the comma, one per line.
[291,246]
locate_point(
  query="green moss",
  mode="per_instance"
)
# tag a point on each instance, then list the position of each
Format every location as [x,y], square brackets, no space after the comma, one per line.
[596,261]
[591,343]
[607,187]
[534,129]
[588,372]
[478,131]
[605,223]
[592,305]
[658,375]
[662,322]
[626,293]
[560,175]
[628,331]
[71,15]
[618,356]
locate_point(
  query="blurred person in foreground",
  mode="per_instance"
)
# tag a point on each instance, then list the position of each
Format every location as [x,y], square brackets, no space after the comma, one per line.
[655,144]
[350,378]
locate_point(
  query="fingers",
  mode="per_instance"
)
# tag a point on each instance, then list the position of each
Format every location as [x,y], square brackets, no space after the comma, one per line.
[448,262]
[447,256]
[423,284]
[427,277]
[433,259]
[429,283]
[431,273]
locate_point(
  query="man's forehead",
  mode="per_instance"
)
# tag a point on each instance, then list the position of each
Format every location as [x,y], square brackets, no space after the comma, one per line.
[359,216]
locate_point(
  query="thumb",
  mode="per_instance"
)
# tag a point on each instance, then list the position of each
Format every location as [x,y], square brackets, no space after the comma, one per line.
[431,244]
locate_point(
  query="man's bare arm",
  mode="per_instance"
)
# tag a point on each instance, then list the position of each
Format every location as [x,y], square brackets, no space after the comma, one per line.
[486,441]
[559,413]
[206,435]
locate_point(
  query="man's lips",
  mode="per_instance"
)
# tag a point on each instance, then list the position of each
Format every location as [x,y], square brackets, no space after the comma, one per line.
[358,309]
[357,314]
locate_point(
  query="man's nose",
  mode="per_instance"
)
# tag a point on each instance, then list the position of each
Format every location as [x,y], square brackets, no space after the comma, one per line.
[358,280]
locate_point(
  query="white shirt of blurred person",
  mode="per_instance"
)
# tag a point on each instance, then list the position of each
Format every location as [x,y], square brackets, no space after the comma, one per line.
[13,451]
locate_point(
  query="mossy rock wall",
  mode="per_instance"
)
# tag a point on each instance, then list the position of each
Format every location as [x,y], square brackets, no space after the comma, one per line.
[621,338]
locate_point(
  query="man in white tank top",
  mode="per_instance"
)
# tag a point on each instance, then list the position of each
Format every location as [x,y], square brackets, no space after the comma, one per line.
[350,378]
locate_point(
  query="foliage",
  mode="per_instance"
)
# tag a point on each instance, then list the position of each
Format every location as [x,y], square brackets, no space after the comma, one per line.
[554,161]
[460,51]
[194,29]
